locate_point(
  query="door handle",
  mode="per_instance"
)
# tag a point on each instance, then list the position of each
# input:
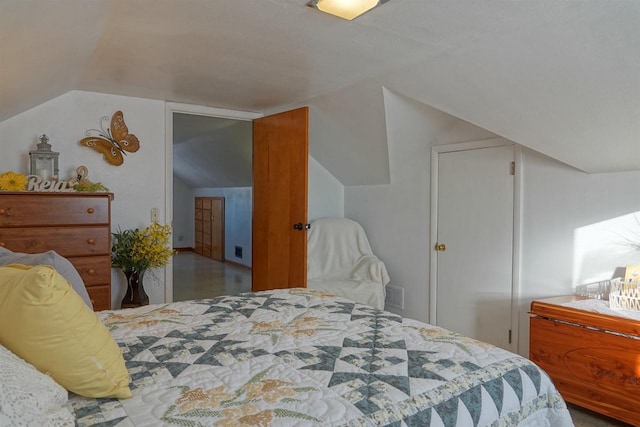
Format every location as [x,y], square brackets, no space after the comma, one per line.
[300,226]
[440,247]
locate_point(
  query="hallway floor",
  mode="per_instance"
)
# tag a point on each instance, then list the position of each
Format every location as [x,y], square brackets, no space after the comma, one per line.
[196,277]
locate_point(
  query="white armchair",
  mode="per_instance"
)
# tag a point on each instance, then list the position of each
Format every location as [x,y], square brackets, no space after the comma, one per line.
[340,261]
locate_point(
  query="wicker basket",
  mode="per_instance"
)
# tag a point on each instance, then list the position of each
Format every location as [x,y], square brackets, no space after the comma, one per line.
[624,297]
[596,290]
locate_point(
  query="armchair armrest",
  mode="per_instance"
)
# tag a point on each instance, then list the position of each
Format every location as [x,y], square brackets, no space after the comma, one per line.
[369,267]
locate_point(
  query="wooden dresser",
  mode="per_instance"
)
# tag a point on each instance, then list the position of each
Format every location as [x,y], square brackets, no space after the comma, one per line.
[200,212]
[209,227]
[75,225]
[593,358]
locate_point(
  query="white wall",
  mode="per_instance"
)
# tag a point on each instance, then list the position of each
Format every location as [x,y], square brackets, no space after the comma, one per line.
[571,229]
[238,211]
[138,184]
[183,215]
[561,206]
[326,193]
[396,216]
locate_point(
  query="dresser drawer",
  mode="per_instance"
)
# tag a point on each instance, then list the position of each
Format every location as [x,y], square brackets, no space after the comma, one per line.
[68,242]
[100,297]
[52,209]
[94,270]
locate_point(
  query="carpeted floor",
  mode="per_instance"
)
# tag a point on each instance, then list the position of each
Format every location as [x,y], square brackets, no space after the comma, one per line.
[586,418]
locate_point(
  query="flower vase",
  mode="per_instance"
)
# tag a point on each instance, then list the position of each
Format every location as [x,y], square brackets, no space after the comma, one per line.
[135,296]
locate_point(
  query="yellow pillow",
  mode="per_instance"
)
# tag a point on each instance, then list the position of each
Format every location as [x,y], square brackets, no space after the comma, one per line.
[43,321]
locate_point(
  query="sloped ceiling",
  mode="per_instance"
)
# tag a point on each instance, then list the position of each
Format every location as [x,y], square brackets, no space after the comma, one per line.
[211,152]
[561,77]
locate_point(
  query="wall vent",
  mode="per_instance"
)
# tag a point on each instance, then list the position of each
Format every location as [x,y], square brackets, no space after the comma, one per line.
[395,297]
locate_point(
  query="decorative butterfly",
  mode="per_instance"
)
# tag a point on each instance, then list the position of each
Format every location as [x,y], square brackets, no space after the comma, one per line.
[114,142]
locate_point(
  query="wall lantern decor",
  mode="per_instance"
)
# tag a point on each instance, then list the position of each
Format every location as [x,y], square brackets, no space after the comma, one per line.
[43,161]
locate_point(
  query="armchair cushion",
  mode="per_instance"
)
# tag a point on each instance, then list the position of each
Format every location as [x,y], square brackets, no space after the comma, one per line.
[340,261]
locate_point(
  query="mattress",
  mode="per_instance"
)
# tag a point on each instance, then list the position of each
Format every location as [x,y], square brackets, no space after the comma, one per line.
[301,357]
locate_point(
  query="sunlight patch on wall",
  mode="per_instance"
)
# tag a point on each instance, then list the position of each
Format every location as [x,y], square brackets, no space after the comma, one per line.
[603,247]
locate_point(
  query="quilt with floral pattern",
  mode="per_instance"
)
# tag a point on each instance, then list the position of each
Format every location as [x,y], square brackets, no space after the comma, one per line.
[299,357]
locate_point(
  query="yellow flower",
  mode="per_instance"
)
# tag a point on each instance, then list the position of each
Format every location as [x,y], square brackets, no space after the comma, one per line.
[152,245]
[267,326]
[270,390]
[199,398]
[247,415]
[144,323]
[142,249]
[11,181]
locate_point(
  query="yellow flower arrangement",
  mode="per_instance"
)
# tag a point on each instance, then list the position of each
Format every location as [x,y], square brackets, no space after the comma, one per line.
[11,181]
[138,250]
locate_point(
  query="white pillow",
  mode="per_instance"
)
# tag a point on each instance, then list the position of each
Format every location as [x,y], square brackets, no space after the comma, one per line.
[29,397]
[55,260]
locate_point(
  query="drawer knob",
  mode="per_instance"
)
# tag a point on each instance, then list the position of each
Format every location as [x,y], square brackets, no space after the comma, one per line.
[2,244]
[90,210]
[91,271]
[91,241]
[3,211]
[93,302]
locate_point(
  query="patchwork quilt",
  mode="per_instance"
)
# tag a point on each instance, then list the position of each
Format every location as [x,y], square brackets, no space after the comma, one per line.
[299,357]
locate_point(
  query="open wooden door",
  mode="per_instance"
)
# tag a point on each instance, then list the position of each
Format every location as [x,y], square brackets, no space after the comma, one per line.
[280,175]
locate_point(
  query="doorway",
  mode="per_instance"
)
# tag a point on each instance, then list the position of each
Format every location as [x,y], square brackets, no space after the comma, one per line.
[181,195]
[473,291]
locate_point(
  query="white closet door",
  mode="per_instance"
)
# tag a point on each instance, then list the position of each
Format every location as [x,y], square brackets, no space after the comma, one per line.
[475,223]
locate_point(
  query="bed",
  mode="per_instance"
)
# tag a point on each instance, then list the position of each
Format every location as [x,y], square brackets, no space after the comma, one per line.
[292,357]
[302,357]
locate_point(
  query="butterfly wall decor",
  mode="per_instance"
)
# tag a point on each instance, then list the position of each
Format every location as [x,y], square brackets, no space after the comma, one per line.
[113,143]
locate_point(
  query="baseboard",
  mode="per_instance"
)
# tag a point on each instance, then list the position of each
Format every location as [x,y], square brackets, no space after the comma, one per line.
[237,264]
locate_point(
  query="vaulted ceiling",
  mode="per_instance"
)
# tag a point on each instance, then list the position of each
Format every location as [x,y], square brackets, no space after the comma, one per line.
[212,152]
[561,77]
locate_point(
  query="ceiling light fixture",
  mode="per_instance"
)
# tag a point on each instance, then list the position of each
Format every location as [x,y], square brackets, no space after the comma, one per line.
[346,9]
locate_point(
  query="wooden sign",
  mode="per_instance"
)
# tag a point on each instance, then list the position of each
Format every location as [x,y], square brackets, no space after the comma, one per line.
[36,183]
